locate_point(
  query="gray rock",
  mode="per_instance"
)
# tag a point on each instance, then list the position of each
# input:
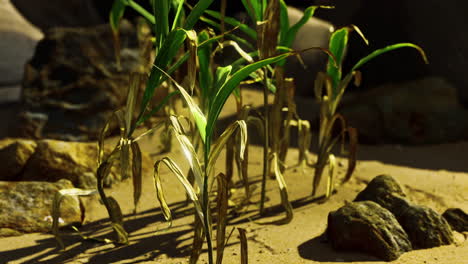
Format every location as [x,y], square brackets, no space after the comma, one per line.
[14,154]
[26,207]
[70,97]
[424,111]
[438,28]
[385,191]
[55,13]
[457,219]
[367,227]
[425,227]
[19,39]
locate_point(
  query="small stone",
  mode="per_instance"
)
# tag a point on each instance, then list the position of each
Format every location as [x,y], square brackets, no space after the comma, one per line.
[26,206]
[367,227]
[457,219]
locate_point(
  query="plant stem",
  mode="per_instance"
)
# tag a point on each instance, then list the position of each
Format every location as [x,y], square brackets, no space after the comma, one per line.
[266,143]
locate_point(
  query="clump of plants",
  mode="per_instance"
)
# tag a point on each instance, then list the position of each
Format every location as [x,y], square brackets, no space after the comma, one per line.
[177,46]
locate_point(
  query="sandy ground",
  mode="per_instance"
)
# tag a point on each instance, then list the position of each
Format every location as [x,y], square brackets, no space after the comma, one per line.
[436,176]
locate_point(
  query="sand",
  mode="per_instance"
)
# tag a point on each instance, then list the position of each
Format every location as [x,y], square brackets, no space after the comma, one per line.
[435,176]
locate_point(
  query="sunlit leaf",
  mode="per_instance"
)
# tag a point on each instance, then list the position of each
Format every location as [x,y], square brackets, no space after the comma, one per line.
[331,175]
[56,209]
[197,114]
[223,139]
[283,190]
[379,52]
[189,151]
[185,183]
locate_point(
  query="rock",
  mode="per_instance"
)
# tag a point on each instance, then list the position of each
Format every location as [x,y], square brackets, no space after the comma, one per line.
[73,84]
[457,219]
[385,191]
[54,160]
[19,39]
[55,13]
[14,155]
[367,227]
[26,207]
[424,111]
[410,23]
[75,161]
[425,227]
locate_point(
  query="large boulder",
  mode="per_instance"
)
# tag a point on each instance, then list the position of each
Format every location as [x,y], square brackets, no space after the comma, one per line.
[367,227]
[26,207]
[424,111]
[19,39]
[438,27]
[14,155]
[46,14]
[52,160]
[73,84]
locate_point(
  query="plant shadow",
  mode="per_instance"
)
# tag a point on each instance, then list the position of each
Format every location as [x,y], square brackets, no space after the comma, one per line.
[150,245]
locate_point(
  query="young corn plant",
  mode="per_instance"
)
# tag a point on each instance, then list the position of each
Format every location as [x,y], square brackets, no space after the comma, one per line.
[222,85]
[329,90]
[273,35]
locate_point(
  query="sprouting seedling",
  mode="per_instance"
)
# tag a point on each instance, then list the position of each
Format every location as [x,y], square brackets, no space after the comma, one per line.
[334,84]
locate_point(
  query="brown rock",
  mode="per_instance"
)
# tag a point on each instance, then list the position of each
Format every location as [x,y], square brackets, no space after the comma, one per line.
[367,227]
[75,161]
[14,154]
[26,206]
[55,160]
[425,227]
[457,219]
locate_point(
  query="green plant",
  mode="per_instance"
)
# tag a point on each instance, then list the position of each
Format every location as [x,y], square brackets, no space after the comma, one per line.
[329,90]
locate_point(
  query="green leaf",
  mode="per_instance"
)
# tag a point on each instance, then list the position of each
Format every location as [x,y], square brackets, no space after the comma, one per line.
[222,73]
[291,32]
[161,11]
[337,46]
[143,12]
[200,119]
[226,90]
[171,46]
[196,13]
[284,21]
[379,52]
[254,9]
[235,23]
[116,14]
